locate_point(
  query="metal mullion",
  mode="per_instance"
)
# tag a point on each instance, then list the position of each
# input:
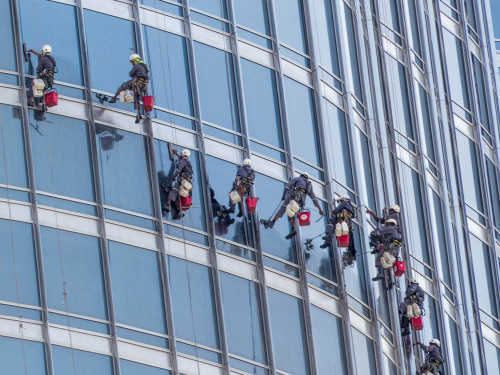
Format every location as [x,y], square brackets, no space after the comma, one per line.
[158,219]
[205,181]
[32,186]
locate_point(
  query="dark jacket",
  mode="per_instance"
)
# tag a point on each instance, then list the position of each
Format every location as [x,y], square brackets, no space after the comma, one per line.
[246,172]
[345,205]
[140,70]
[433,353]
[390,232]
[301,183]
[183,169]
[46,62]
[415,290]
[394,216]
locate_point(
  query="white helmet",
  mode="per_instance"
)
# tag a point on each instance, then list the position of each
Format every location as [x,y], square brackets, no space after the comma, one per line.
[134,56]
[46,49]
[345,197]
[435,342]
[186,153]
[414,280]
[391,221]
[305,174]
[247,162]
[395,208]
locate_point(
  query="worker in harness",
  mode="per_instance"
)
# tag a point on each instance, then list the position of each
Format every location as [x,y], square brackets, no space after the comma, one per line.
[294,198]
[45,70]
[343,212]
[390,235]
[394,211]
[182,186]
[414,299]
[404,320]
[139,81]
[242,186]
[433,358]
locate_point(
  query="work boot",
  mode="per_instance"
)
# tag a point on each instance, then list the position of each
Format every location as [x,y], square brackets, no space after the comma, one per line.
[375,251]
[267,223]
[380,276]
[231,210]
[112,100]
[31,103]
[166,208]
[240,214]
[325,245]
[179,216]
[292,234]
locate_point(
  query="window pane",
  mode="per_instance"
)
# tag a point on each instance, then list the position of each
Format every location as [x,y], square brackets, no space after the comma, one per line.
[133,368]
[288,332]
[366,178]
[71,361]
[166,55]
[481,92]
[215,7]
[108,57]
[364,354]
[12,147]
[494,192]
[124,169]
[18,273]
[21,357]
[72,264]
[138,300]
[469,169]
[61,155]
[355,279]
[41,23]
[492,353]
[290,23]
[353,53]
[7,60]
[484,276]
[193,302]
[252,14]
[425,112]
[455,363]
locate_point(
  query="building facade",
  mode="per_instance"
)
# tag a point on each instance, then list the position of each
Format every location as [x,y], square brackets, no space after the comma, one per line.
[388,101]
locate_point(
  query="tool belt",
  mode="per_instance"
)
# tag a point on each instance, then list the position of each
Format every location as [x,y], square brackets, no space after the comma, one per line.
[185,176]
[298,195]
[142,81]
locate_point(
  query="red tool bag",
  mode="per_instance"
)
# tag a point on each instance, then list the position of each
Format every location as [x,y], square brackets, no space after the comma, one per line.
[186,202]
[148,102]
[251,204]
[416,323]
[51,99]
[304,218]
[398,268]
[343,240]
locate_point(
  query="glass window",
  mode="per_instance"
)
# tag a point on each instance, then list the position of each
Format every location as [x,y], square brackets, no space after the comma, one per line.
[124,169]
[413,5]
[495,15]
[252,14]
[216,86]
[328,343]
[108,57]
[353,53]
[494,192]
[432,313]
[72,361]
[301,121]
[439,224]
[215,7]
[73,273]
[22,356]
[389,14]
[192,294]
[243,318]
[12,159]
[7,60]
[323,16]
[364,354]
[61,155]
[41,23]
[133,368]
[261,101]
[355,279]
[366,178]
[389,366]
[166,55]
[290,23]
[455,363]
[481,92]
[138,300]
[18,273]
[426,119]
[288,332]
[492,353]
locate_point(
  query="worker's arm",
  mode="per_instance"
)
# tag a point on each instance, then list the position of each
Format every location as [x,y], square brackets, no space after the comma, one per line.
[35,52]
[133,72]
[310,192]
[373,215]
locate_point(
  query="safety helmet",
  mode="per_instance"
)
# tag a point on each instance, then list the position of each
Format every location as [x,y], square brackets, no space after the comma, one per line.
[46,49]
[345,197]
[395,208]
[391,221]
[134,57]
[186,153]
[414,280]
[247,162]
[435,342]
[304,174]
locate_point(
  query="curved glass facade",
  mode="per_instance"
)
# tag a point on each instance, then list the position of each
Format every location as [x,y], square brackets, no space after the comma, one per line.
[388,101]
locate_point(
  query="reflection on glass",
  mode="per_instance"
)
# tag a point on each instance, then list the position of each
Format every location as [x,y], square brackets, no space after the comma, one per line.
[364,354]
[216,7]
[134,368]
[353,53]
[492,353]
[252,14]
[290,22]
[7,60]
[22,356]
[72,361]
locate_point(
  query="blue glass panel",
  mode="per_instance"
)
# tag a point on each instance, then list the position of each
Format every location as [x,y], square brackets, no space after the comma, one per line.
[495,15]
[133,335]
[301,121]
[61,156]
[12,159]
[388,365]
[494,191]
[431,319]
[18,275]
[328,343]
[363,149]
[138,300]
[389,14]
[252,14]
[41,23]
[108,57]
[242,315]
[455,363]
[288,332]
[22,356]
[72,361]
[86,324]
[216,7]
[290,22]
[426,119]
[254,38]
[210,21]
[481,92]
[133,368]
[164,6]
[198,352]
[439,224]
[216,86]
[492,353]
[166,55]
[413,5]
[261,101]
[249,368]
[9,79]
[286,268]
[364,354]
[129,219]
[14,194]
[355,279]
[73,273]
[64,204]
[7,60]
[353,53]
[193,302]
[20,311]
[123,169]
[222,134]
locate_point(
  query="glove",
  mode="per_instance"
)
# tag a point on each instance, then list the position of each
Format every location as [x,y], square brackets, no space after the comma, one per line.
[321,212]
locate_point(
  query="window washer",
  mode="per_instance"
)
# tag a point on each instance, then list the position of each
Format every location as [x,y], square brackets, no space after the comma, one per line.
[242,185]
[390,234]
[182,182]
[414,299]
[45,70]
[394,211]
[404,320]
[433,358]
[343,212]
[294,197]
[139,81]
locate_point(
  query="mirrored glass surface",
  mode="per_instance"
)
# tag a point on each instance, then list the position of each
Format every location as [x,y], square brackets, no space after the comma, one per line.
[252,14]
[353,53]
[364,355]
[69,361]
[290,21]
[7,60]
[134,368]
[22,356]
[216,7]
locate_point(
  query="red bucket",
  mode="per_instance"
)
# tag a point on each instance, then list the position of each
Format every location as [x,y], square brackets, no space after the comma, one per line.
[398,268]
[251,204]
[416,323]
[51,99]
[343,240]
[186,202]
[148,102]
[304,218]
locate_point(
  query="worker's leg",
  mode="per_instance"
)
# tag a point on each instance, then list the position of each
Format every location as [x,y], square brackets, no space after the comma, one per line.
[328,237]
[293,232]
[124,86]
[281,211]
[378,264]
[351,248]
[173,195]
